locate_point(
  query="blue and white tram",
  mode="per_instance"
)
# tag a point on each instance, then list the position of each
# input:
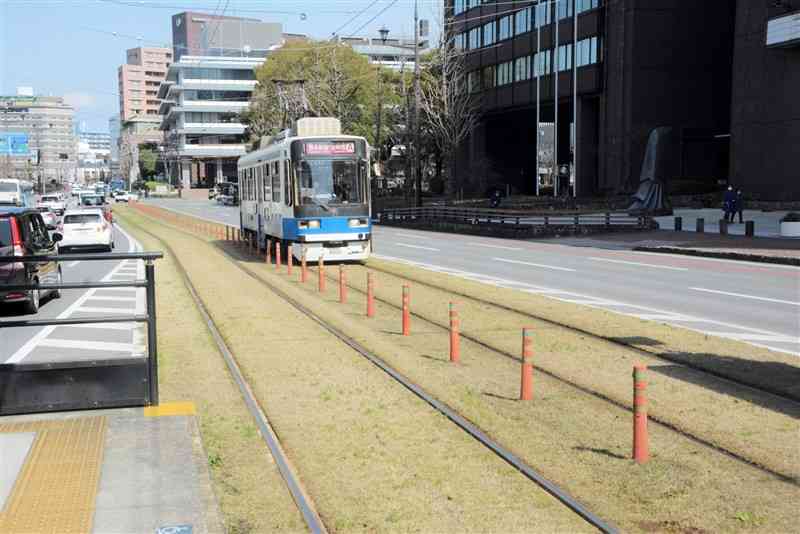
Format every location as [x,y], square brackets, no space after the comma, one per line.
[311,192]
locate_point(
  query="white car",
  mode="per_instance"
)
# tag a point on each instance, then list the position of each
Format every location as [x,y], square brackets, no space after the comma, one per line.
[86,229]
[54,202]
[49,217]
[122,196]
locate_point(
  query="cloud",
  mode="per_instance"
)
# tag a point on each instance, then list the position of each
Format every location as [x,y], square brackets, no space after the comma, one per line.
[80,100]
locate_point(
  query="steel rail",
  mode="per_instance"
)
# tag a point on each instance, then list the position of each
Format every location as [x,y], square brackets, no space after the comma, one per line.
[292,480]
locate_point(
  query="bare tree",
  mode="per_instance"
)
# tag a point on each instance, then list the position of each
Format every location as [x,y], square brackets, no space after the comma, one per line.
[449,112]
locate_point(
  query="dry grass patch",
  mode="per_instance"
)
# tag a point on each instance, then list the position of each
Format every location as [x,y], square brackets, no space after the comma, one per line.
[252,495]
[373,457]
[575,439]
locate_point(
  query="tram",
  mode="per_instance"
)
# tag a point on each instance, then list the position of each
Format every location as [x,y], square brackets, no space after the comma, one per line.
[309,187]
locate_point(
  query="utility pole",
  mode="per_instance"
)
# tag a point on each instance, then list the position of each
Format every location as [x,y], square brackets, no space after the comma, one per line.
[417,174]
[384,33]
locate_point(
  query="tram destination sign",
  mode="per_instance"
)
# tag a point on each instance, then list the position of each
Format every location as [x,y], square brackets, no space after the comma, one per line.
[329,149]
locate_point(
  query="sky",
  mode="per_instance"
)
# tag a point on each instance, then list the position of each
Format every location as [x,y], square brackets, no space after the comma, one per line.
[72,48]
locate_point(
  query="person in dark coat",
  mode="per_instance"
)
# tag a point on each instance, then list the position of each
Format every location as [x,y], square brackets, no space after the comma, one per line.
[739,206]
[729,204]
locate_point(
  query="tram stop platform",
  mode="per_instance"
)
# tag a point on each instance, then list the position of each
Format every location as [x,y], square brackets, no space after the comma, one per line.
[106,471]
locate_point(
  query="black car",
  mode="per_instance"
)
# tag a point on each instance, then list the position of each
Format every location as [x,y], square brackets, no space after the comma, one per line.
[23,233]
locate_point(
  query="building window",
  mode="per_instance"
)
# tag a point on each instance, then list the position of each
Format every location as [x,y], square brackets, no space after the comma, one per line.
[505,28]
[505,73]
[489,77]
[474,81]
[586,5]
[564,57]
[542,63]
[543,16]
[475,38]
[522,68]
[564,8]
[522,21]
[587,52]
[489,33]
[459,40]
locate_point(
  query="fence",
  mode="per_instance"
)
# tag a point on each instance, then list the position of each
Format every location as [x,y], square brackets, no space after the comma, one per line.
[503,217]
[84,384]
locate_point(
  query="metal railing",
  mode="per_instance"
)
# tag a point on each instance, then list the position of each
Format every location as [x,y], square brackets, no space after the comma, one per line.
[507,217]
[151,398]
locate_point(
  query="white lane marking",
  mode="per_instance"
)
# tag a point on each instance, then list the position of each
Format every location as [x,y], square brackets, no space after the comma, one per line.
[639,264]
[492,246]
[96,309]
[759,337]
[72,264]
[741,295]
[565,269]
[84,344]
[126,289]
[561,295]
[715,260]
[113,299]
[417,246]
[102,326]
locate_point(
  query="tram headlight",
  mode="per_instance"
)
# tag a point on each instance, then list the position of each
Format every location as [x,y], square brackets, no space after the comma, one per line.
[312,223]
[357,223]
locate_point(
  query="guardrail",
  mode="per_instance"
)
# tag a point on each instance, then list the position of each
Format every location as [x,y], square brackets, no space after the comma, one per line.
[505,217]
[82,378]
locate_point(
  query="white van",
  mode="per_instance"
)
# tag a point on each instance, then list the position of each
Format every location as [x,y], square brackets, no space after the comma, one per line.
[16,193]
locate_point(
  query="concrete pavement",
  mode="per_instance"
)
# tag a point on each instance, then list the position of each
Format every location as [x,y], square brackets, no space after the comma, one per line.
[755,303]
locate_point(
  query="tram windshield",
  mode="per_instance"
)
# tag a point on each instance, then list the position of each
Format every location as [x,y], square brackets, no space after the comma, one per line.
[329,181]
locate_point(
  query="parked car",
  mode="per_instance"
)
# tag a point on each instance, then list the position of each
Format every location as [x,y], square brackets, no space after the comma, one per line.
[86,229]
[54,202]
[122,196]
[49,217]
[213,192]
[23,233]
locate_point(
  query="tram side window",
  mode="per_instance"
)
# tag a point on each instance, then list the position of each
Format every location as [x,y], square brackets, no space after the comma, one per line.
[276,182]
[287,183]
[265,173]
[259,181]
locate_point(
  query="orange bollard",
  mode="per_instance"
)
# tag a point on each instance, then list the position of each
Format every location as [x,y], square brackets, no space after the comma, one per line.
[370,295]
[289,260]
[526,383]
[303,268]
[406,312]
[321,273]
[641,442]
[269,250]
[455,336]
[342,285]
[277,255]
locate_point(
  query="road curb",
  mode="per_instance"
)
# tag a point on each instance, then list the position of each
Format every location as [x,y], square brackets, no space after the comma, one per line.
[780,260]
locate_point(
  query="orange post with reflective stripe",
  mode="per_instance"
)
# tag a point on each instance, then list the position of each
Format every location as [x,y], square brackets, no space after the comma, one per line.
[269,250]
[370,295]
[406,310]
[455,336]
[321,273]
[277,255]
[526,381]
[289,260]
[641,442]
[303,268]
[342,285]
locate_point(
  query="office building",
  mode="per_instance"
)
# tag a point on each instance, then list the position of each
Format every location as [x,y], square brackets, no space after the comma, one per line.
[623,68]
[96,141]
[202,99]
[201,34]
[37,139]
[395,54]
[139,80]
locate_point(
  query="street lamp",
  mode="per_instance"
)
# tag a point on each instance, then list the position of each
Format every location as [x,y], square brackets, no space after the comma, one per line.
[384,33]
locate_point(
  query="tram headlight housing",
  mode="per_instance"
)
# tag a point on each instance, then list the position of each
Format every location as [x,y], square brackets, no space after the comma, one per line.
[311,223]
[358,223]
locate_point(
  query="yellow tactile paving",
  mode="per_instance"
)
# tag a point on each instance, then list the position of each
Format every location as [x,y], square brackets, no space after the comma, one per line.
[170,408]
[56,489]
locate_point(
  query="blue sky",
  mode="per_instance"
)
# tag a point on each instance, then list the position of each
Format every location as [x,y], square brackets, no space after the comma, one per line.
[67,47]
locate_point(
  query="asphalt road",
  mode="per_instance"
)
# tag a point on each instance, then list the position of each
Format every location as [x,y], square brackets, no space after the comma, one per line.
[82,342]
[751,302]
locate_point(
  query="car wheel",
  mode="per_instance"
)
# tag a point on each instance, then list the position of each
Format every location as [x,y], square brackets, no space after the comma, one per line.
[32,304]
[56,294]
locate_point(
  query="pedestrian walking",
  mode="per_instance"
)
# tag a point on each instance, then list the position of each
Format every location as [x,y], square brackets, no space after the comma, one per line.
[729,204]
[739,206]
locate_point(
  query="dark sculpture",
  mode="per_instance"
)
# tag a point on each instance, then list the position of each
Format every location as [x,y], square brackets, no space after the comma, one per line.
[659,159]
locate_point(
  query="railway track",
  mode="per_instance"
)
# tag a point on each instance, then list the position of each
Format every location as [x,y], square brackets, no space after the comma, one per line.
[556,376]
[301,497]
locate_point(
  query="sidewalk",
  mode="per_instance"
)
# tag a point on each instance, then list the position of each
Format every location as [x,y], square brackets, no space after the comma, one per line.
[104,471]
[767,223]
[761,249]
